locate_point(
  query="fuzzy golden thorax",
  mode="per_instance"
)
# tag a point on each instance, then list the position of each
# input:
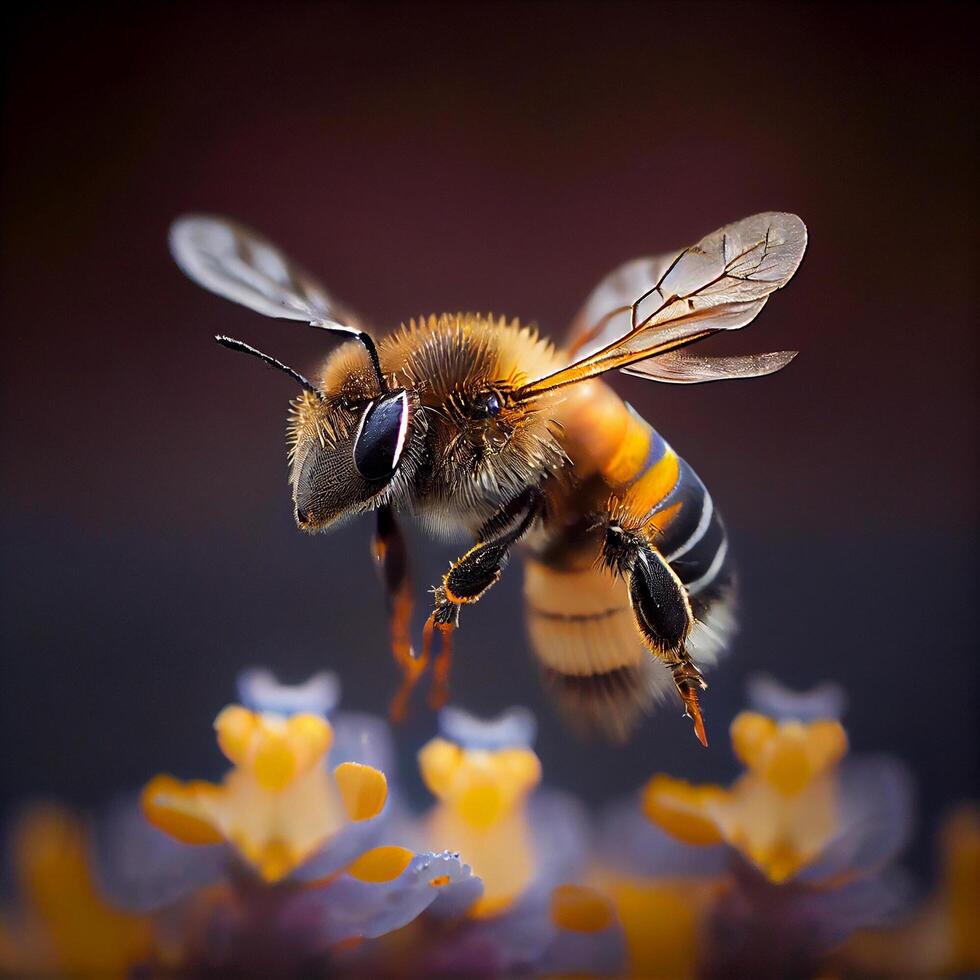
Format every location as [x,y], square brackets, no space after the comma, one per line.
[475,458]
[470,447]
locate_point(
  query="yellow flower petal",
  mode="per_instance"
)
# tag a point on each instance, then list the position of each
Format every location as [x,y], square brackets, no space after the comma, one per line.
[751,734]
[827,743]
[179,809]
[236,727]
[789,754]
[274,764]
[439,761]
[363,789]
[311,737]
[481,804]
[87,937]
[580,909]
[520,768]
[381,864]
[682,809]
[663,923]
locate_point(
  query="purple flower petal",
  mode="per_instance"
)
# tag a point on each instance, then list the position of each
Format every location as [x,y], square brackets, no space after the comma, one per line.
[560,833]
[259,690]
[767,696]
[142,869]
[348,908]
[875,822]
[632,845]
[513,728]
[350,842]
[762,929]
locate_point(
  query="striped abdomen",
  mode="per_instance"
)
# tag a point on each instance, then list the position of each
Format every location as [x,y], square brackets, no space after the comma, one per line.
[666,499]
[581,622]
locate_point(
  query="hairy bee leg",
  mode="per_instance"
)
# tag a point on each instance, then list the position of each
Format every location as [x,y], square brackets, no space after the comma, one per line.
[663,614]
[391,558]
[468,579]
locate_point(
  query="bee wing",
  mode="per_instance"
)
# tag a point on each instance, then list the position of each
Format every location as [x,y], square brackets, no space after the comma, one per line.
[652,306]
[231,260]
[680,368]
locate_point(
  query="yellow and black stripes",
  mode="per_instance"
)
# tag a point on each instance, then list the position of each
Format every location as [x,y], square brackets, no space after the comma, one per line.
[667,503]
[584,635]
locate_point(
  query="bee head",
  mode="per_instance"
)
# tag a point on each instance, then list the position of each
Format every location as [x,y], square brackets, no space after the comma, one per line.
[350,443]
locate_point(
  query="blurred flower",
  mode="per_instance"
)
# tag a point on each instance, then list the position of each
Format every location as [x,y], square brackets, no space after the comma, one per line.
[63,926]
[279,804]
[942,938]
[482,783]
[795,852]
[528,845]
[798,807]
[300,862]
[308,826]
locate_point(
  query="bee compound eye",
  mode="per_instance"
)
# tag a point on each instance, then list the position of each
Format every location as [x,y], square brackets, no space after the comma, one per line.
[487,405]
[380,439]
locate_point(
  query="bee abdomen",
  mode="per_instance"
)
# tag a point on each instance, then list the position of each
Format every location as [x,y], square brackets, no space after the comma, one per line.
[664,498]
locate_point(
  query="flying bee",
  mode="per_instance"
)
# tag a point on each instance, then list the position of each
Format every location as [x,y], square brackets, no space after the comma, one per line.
[477,424]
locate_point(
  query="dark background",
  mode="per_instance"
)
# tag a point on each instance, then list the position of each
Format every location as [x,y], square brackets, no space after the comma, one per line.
[500,157]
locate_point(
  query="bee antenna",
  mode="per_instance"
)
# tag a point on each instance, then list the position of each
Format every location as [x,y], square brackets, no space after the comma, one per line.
[244,348]
[365,338]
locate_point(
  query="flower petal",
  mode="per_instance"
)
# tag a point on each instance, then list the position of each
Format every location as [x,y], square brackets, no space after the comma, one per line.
[875,819]
[344,847]
[180,809]
[683,809]
[769,697]
[363,790]
[631,845]
[259,690]
[513,728]
[141,868]
[588,937]
[347,908]
[381,864]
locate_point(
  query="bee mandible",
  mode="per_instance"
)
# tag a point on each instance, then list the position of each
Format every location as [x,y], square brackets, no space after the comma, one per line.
[479,425]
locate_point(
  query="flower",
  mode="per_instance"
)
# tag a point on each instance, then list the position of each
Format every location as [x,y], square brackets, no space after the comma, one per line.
[279,805]
[64,926]
[941,938]
[300,862]
[482,783]
[766,875]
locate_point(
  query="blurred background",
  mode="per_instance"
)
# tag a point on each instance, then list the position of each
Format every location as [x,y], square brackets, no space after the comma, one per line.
[488,157]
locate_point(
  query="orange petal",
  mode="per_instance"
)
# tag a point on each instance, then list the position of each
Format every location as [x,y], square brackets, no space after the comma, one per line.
[236,727]
[381,864]
[311,737]
[751,734]
[363,789]
[439,761]
[682,809]
[275,764]
[176,809]
[580,909]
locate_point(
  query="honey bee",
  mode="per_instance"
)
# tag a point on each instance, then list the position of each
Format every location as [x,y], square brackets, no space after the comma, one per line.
[478,424]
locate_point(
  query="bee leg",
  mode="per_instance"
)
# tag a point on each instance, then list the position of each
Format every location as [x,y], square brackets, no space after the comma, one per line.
[391,558]
[663,614]
[469,578]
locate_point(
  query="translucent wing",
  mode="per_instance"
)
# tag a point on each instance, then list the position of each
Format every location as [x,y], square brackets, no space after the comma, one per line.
[605,316]
[719,284]
[680,368]
[235,262]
